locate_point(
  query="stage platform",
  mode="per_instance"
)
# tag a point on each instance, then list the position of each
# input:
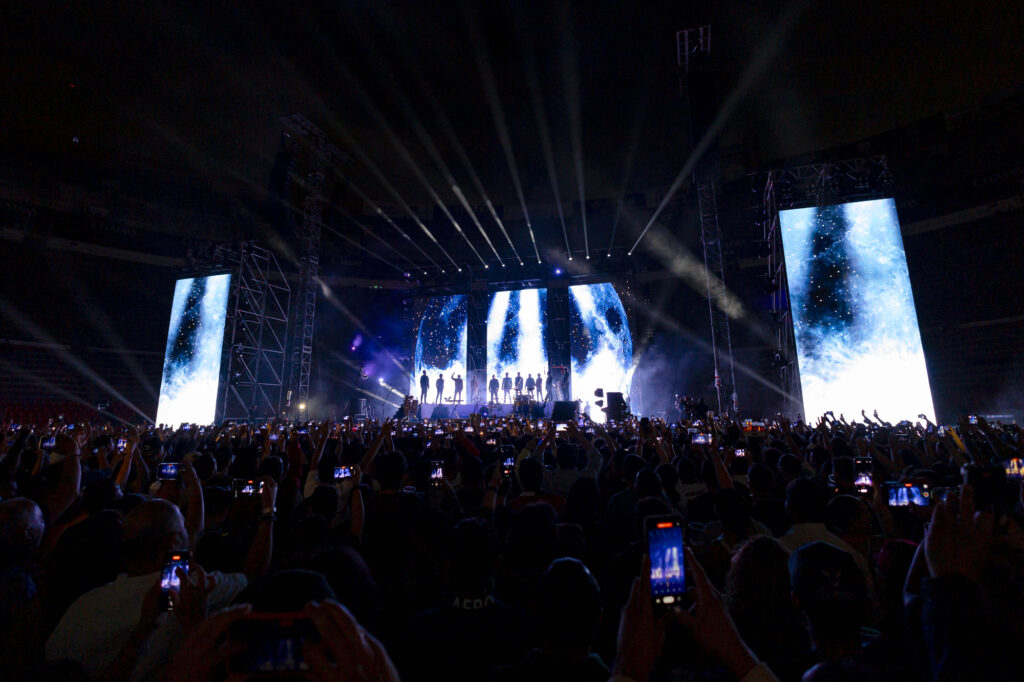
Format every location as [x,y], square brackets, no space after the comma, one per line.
[462,411]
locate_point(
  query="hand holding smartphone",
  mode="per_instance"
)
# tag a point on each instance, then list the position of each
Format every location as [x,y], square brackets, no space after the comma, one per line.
[169,580]
[665,549]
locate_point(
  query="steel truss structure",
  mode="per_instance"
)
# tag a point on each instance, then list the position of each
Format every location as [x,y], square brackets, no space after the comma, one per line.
[721,337]
[815,184]
[321,155]
[257,333]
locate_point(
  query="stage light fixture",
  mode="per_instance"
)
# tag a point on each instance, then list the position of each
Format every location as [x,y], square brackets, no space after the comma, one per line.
[588,256]
[570,257]
[302,406]
[380,381]
[558,271]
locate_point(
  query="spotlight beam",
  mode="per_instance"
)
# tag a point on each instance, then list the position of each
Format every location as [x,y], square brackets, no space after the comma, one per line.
[413,64]
[367,231]
[377,209]
[539,113]
[497,113]
[406,157]
[571,78]
[390,82]
[354,145]
[762,60]
[632,146]
[362,248]
[465,204]
[65,355]
[357,148]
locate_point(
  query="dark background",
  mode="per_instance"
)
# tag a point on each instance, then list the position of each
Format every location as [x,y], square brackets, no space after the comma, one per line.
[132,132]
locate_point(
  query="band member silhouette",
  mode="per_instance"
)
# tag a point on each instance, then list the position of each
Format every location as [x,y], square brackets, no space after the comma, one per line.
[439,384]
[424,386]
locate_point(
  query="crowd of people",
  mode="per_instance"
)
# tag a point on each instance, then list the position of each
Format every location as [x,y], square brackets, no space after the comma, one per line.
[510,549]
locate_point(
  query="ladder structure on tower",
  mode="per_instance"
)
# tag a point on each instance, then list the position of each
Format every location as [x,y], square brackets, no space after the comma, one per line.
[714,272]
[320,155]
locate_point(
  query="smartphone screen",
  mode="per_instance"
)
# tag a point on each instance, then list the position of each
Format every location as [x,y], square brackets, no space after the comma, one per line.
[50,443]
[492,441]
[436,472]
[701,439]
[1014,467]
[906,494]
[186,427]
[121,444]
[740,452]
[273,436]
[508,466]
[438,432]
[468,429]
[665,548]
[972,419]
[270,643]
[169,580]
[863,483]
[168,471]
[341,473]
[559,428]
[247,487]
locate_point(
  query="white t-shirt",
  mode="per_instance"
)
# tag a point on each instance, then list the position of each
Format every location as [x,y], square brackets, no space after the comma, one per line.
[96,625]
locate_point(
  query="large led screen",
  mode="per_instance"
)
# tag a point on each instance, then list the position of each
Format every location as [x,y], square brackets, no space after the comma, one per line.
[517,339]
[600,344]
[441,348]
[857,340]
[188,390]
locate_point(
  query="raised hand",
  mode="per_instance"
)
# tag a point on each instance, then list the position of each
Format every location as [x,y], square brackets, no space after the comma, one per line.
[357,655]
[711,626]
[191,599]
[641,635]
[958,538]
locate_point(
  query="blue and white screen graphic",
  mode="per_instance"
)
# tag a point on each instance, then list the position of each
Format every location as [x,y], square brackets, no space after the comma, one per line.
[857,339]
[441,346]
[517,331]
[188,390]
[600,344]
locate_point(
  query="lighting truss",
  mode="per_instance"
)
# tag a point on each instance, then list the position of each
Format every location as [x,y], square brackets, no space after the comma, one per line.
[257,335]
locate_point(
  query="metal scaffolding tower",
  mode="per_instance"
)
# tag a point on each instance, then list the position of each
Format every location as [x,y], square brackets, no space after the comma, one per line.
[693,55]
[815,184]
[321,155]
[714,272]
[257,334]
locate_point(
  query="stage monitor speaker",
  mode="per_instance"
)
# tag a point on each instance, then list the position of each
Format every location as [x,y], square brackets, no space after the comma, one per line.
[440,412]
[617,409]
[563,411]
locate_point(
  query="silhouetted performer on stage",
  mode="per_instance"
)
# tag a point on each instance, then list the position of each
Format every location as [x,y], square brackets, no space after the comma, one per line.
[529,385]
[457,378]
[424,386]
[519,384]
[493,387]
[506,388]
[474,389]
[439,384]
[548,383]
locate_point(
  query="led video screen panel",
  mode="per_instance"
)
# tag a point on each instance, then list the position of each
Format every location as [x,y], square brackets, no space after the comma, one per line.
[188,389]
[857,340]
[517,337]
[600,344]
[441,346]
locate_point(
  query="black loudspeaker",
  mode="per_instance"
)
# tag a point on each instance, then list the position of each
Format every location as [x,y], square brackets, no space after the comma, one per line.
[563,411]
[440,412]
[617,409]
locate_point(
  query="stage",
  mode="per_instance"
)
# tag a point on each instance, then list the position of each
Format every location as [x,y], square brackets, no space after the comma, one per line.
[462,411]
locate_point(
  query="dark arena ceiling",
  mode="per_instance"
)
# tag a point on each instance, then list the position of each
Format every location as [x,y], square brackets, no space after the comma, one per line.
[532,105]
